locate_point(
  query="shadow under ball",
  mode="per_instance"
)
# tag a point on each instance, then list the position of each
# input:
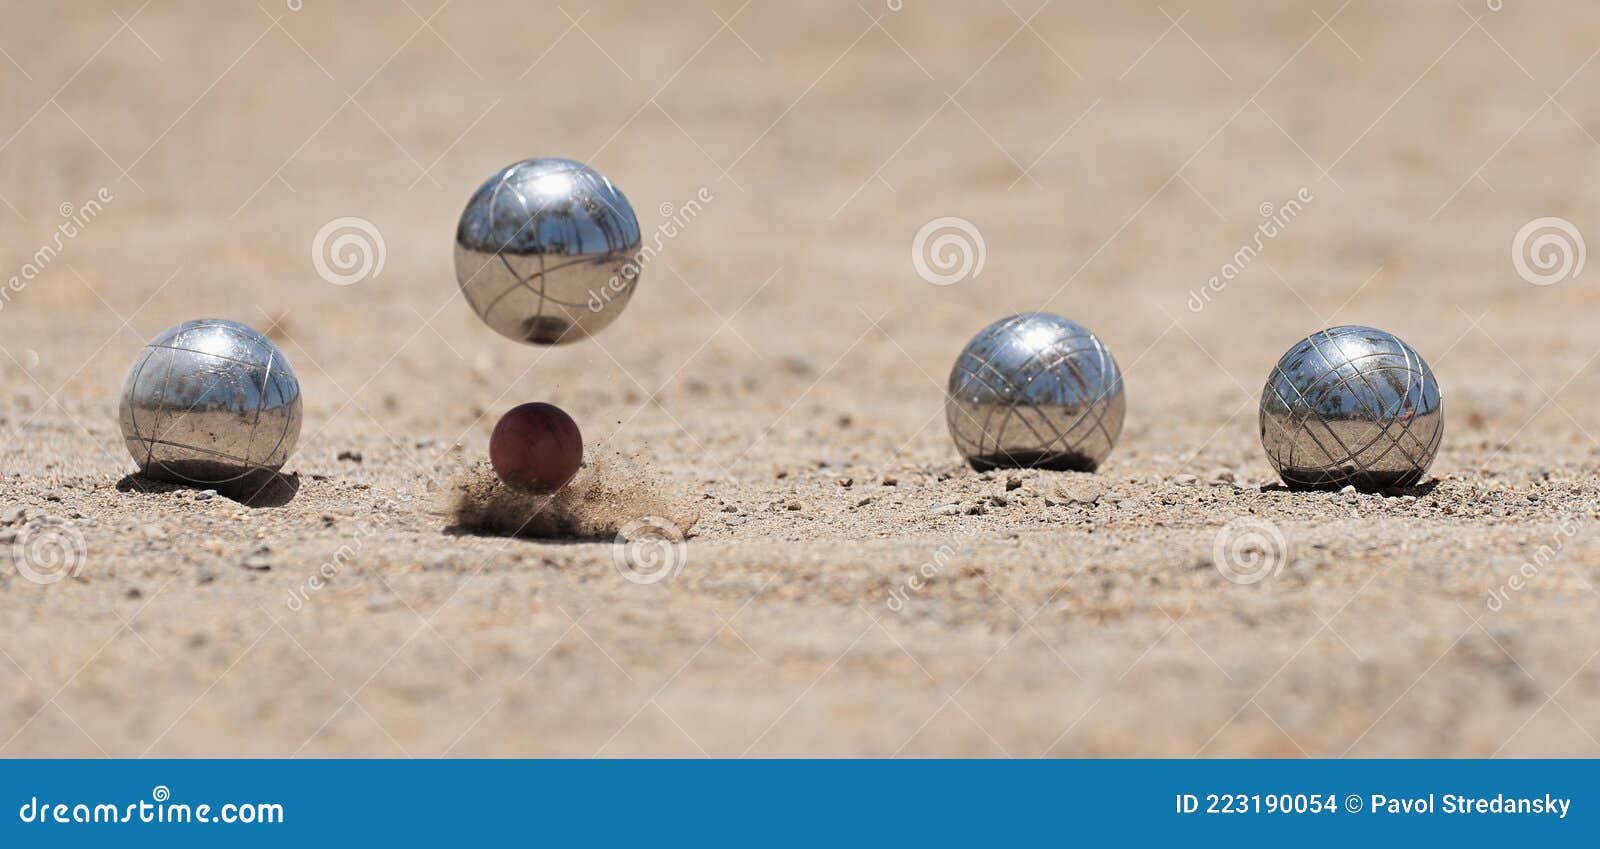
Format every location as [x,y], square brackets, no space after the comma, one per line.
[1351,406]
[536,448]
[1035,390]
[210,402]
[546,252]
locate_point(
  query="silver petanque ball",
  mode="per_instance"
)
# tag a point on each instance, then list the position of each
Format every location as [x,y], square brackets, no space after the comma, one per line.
[546,251]
[1351,406]
[1035,390]
[209,402]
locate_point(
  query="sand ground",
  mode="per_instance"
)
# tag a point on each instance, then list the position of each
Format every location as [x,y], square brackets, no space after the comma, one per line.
[778,379]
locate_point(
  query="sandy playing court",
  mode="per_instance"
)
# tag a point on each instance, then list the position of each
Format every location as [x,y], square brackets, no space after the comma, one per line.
[776,383]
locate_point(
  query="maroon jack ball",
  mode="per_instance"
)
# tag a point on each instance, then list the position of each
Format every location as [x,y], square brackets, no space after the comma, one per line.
[536,447]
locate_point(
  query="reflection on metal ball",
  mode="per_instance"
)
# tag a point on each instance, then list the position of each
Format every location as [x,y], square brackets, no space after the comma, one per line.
[1035,390]
[545,251]
[1351,406]
[209,402]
